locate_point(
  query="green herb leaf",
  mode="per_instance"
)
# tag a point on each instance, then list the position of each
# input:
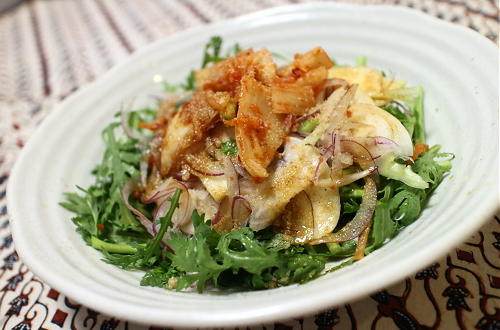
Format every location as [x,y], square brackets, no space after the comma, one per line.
[307,126]
[233,50]
[212,51]
[361,61]
[229,147]
[190,84]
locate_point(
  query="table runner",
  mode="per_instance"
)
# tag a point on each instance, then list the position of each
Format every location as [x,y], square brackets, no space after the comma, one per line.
[48,49]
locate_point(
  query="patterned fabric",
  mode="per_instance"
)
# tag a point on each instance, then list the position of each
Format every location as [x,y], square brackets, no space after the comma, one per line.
[48,49]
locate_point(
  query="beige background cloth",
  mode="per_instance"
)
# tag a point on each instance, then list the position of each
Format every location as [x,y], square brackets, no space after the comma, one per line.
[48,49]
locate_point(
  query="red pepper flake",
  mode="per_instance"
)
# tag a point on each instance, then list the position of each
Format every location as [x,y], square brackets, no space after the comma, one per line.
[100,226]
[232,122]
[155,125]
[258,180]
[419,149]
[297,73]
[151,161]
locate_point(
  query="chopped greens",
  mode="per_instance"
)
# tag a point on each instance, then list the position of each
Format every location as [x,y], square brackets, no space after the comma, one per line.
[190,83]
[240,259]
[212,51]
[417,107]
[281,57]
[307,126]
[229,148]
[361,61]
[233,50]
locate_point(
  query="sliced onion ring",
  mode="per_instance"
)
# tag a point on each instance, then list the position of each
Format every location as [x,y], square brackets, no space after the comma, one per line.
[325,155]
[204,173]
[360,153]
[222,211]
[129,131]
[361,220]
[125,193]
[240,211]
[306,117]
[241,170]
[231,176]
[143,168]
[350,178]
[362,242]
[159,195]
[183,214]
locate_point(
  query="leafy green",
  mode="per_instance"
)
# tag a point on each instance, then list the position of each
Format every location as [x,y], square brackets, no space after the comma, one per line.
[212,51]
[99,210]
[158,276]
[190,84]
[342,250]
[208,255]
[162,275]
[361,61]
[151,253]
[390,168]
[281,57]
[417,107]
[307,126]
[170,88]
[232,51]
[111,247]
[401,204]
[240,259]
[430,166]
[229,148]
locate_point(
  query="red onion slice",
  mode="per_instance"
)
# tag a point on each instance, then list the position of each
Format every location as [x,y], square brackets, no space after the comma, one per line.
[360,153]
[325,155]
[346,179]
[381,140]
[159,195]
[240,211]
[298,134]
[377,145]
[222,211]
[204,173]
[157,97]
[181,215]
[143,168]
[360,221]
[403,108]
[241,170]
[231,176]
[125,193]
[129,131]
[316,170]
[306,117]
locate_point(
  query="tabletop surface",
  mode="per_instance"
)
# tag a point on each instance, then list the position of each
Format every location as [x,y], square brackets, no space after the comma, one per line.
[49,49]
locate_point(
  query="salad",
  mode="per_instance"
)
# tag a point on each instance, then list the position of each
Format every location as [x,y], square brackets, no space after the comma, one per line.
[252,175]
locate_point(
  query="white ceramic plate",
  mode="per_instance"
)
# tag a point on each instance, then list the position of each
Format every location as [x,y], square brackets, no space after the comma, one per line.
[457,67]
